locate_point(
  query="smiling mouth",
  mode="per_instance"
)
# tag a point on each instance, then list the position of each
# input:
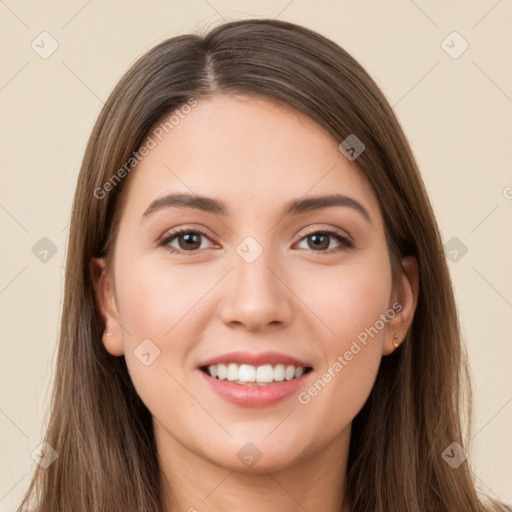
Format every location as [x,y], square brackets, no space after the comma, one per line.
[249,375]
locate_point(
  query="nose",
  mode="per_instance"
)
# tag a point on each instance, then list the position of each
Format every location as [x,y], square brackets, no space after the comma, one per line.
[256,296]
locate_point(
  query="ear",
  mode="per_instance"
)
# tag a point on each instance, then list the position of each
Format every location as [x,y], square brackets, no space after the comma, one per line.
[106,305]
[404,301]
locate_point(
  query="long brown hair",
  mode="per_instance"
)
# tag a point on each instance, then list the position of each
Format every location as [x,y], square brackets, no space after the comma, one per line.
[421,399]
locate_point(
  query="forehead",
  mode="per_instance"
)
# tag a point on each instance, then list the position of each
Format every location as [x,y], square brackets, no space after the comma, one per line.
[254,153]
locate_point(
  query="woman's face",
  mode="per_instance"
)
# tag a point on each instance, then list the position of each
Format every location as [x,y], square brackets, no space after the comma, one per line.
[264,279]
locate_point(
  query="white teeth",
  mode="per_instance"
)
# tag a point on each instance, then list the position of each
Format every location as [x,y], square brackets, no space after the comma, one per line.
[289,373]
[222,371]
[279,372]
[246,373]
[265,373]
[232,371]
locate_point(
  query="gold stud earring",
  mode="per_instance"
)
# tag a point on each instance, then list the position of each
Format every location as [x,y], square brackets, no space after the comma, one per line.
[107,333]
[395,342]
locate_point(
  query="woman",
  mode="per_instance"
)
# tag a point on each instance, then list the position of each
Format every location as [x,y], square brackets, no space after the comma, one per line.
[258,312]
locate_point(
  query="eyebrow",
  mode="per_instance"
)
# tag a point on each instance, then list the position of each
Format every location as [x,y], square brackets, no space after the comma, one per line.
[215,206]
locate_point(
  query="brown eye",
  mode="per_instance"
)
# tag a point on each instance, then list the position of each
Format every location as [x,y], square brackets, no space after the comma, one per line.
[187,241]
[320,241]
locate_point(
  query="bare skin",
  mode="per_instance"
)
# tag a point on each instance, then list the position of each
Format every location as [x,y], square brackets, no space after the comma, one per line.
[304,297]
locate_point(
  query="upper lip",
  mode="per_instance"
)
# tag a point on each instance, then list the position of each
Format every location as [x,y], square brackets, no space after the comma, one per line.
[239,357]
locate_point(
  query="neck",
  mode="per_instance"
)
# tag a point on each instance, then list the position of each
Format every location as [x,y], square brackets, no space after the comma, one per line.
[195,484]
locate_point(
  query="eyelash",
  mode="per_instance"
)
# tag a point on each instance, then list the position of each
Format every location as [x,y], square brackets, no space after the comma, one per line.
[345,243]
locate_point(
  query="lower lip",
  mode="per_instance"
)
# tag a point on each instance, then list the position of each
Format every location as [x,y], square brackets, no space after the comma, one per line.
[254,395]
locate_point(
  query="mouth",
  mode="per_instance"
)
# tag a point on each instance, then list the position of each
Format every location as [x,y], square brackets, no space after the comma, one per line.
[255,380]
[250,375]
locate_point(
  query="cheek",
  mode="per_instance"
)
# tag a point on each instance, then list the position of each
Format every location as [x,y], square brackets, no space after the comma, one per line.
[162,304]
[154,300]
[153,310]
[355,310]
[350,299]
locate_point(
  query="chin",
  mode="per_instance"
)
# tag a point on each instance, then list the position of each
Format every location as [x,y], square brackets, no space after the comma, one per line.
[258,457]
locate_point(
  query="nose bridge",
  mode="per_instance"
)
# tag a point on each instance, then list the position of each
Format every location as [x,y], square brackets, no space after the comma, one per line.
[256,296]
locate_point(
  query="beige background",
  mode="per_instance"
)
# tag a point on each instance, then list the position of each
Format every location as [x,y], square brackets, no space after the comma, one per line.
[457,113]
